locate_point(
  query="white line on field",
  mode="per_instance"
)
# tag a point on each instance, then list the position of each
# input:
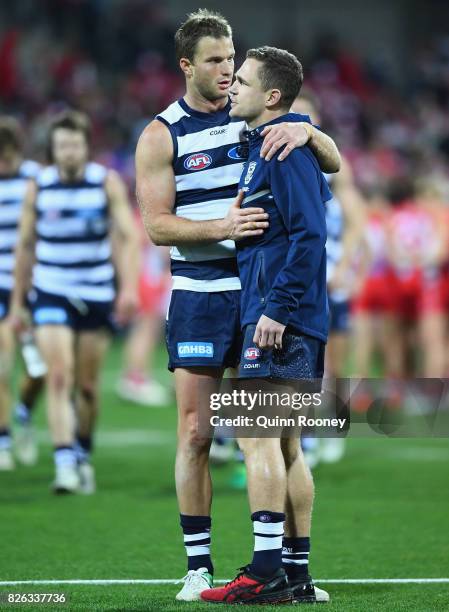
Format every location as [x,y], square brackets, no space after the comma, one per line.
[129,437]
[163,581]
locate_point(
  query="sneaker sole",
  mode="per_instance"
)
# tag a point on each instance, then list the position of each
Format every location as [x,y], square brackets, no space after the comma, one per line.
[63,490]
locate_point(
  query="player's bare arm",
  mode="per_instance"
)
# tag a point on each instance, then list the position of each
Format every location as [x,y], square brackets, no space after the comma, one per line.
[353,212]
[156,193]
[24,258]
[293,135]
[125,238]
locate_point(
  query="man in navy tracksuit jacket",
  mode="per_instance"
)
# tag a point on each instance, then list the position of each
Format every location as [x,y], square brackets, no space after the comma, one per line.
[284,318]
[283,271]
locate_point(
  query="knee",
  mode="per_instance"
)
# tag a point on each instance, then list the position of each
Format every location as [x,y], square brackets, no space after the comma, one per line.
[59,378]
[190,439]
[254,447]
[89,392]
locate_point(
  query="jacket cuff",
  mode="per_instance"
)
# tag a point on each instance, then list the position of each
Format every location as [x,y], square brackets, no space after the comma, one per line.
[278,312]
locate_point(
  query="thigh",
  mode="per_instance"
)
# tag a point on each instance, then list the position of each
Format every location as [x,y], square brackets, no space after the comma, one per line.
[91,348]
[194,387]
[6,347]
[56,344]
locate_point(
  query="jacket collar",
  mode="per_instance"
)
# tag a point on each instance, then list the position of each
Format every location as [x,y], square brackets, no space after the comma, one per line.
[254,135]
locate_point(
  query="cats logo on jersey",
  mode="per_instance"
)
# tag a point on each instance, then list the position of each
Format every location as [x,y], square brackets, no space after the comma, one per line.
[249,174]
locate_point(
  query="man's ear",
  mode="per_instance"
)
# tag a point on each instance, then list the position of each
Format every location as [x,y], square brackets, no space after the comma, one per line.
[186,66]
[273,97]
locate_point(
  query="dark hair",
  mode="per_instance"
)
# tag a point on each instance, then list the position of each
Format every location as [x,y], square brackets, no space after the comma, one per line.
[280,70]
[68,120]
[10,135]
[197,25]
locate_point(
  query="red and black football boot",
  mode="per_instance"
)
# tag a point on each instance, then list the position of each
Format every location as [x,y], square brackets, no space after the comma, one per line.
[246,588]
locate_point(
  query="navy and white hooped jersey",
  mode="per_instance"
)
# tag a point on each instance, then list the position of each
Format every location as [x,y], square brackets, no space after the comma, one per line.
[73,251]
[335,228]
[209,153]
[12,192]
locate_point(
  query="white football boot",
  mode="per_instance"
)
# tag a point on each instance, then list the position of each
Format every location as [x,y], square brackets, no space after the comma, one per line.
[6,460]
[67,480]
[321,595]
[86,473]
[195,582]
[25,446]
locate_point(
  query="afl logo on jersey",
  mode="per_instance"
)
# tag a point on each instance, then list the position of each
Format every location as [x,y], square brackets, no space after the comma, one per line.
[198,161]
[252,353]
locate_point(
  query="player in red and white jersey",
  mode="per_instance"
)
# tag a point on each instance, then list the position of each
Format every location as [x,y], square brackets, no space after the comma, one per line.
[373,307]
[417,246]
[430,194]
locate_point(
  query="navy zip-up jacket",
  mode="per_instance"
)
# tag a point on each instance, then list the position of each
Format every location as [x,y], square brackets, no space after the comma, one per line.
[283,271]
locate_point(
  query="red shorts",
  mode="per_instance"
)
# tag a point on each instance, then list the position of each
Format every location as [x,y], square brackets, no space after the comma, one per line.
[445,289]
[415,295]
[376,296]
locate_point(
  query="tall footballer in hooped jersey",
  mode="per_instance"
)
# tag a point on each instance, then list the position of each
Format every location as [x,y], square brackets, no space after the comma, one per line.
[188,164]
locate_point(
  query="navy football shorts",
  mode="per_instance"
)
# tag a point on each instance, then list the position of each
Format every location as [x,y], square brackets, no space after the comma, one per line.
[300,358]
[4,303]
[79,315]
[339,315]
[203,329]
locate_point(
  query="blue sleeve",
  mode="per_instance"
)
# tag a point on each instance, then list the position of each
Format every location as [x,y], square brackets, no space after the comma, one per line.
[299,191]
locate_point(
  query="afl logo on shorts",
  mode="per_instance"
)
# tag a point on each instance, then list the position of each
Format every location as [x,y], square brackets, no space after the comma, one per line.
[252,353]
[198,161]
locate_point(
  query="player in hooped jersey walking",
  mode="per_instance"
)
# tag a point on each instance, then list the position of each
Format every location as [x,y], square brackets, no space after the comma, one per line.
[15,174]
[188,165]
[69,215]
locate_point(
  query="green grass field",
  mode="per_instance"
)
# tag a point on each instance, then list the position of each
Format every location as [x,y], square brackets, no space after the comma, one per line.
[382,513]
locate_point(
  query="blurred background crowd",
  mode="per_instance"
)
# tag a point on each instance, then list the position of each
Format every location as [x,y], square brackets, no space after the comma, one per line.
[114,60]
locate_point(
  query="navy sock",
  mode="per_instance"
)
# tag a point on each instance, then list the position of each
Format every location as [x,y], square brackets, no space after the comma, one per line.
[196,530]
[295,557]
[83,448]
[268,530]
[22,413]
[5,438]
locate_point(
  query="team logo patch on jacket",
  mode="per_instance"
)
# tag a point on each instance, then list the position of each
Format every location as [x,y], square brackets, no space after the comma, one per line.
[197,161]
[250,172]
